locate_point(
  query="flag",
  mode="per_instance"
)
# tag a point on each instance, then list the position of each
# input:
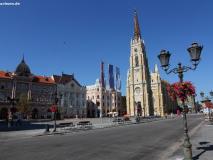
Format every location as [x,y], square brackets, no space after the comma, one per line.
[117,78]
[111,77]
[102,82]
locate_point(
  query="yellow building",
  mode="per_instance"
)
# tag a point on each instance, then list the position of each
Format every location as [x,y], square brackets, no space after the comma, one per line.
[163,104]
[138,89]
[146,93]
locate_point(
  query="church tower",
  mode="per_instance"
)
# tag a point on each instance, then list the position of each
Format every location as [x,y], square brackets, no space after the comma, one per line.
[157,92]
[138,89]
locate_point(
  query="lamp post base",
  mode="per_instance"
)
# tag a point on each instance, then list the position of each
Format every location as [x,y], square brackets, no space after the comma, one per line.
[187,150]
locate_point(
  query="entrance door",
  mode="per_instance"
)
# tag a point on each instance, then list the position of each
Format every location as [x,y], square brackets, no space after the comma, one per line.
[139,109]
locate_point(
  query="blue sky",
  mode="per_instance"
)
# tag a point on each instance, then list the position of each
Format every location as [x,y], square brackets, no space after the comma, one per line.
[73,36]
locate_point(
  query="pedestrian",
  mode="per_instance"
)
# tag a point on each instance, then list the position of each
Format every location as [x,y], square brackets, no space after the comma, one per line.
[178,112]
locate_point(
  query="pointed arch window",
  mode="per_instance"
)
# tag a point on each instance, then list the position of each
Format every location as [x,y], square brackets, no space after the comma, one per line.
[136,61]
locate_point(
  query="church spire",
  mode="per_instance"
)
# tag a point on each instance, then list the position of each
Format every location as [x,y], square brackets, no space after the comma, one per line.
[137,33]
[156,68]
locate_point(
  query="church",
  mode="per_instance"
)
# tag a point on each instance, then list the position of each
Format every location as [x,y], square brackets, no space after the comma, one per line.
[146,93]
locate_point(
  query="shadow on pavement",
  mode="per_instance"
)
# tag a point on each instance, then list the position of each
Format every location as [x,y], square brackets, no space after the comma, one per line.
[25,125]
[204,147]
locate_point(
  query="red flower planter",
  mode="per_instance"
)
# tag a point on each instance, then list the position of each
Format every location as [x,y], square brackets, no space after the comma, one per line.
[181,90]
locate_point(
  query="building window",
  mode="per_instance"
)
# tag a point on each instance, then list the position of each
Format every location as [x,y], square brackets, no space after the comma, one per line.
[136,61]
[103,96]
[103,104]
[98,103]
[2,87]
[97,96]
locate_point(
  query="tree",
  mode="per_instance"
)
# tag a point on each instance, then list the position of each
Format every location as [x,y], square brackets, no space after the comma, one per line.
[24,105]
[123,105]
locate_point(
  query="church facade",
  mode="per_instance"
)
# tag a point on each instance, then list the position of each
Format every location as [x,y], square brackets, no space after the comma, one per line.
[146,93]
[138,89]
[163,104]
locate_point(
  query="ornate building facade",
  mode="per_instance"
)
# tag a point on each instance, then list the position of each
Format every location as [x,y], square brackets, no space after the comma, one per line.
[71,95]
[39,91]
[102,101]
[163,104]
[138,89]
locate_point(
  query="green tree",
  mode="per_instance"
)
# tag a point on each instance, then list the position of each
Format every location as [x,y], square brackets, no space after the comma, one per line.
[24,105]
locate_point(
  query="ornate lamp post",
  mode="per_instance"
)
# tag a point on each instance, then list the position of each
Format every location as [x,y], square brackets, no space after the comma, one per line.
[164,56]
[207,100]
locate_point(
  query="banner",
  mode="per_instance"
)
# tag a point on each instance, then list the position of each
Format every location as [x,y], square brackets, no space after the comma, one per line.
[111,77]
[102,82]
[117,78]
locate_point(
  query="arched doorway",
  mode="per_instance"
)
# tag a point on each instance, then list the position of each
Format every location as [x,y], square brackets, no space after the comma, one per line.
[139,109]
[13,110]
[3,113]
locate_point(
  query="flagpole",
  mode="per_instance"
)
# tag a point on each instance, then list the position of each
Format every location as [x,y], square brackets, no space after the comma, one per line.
[101,101]
[101,88]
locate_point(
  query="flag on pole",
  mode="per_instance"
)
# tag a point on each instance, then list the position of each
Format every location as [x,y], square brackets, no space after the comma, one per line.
[117,78]
[111,77]
[102,82]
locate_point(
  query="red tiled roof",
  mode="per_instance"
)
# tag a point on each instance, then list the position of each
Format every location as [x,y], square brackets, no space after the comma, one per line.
[36,78]
[4,74]
[43,79]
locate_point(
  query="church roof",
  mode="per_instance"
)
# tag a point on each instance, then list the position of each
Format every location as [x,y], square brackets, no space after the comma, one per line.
[137,33]
[23,69]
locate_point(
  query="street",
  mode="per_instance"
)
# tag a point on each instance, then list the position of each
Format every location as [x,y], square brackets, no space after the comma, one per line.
[147,141]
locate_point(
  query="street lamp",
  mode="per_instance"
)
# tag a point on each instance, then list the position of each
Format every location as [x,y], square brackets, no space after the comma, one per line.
[164,56]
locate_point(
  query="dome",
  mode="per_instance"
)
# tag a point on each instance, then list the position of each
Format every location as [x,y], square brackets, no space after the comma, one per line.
[23,69]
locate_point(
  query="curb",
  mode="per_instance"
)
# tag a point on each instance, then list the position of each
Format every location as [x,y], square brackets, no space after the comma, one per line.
[176,146]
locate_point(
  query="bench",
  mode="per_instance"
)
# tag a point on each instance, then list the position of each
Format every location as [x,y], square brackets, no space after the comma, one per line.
[84,124]
[118,120]
[66,124]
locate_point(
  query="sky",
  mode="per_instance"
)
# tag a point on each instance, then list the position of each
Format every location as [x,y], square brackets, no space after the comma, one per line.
[73,36]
